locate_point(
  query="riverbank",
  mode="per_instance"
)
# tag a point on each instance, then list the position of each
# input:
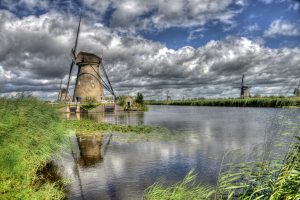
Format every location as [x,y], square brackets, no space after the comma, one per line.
[235,102]
[32,132]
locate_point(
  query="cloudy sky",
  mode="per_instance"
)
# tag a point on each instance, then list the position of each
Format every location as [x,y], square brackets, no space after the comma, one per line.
[189,48]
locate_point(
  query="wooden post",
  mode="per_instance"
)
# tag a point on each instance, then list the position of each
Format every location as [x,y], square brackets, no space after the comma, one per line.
[78,107]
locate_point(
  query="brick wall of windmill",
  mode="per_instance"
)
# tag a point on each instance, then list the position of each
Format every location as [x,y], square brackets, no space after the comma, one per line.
[88,85]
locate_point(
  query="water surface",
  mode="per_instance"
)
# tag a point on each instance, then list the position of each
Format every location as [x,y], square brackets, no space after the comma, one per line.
[117,169]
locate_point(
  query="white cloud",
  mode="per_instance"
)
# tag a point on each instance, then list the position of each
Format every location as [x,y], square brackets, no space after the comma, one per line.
[196,34]
[253,27]
[160,14]
[281,27]
[295,6]
[35,53]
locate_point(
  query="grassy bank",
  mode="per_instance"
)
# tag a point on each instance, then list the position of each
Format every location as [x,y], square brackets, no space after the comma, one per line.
[235,102]
[30,133]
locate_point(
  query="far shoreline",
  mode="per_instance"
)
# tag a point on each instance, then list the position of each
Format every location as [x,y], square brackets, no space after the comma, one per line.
[258,102]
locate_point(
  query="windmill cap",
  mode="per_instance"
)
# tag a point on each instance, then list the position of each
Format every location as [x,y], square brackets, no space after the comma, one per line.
[85,57]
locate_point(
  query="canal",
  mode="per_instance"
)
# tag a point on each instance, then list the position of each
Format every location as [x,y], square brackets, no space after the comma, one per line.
[115,167]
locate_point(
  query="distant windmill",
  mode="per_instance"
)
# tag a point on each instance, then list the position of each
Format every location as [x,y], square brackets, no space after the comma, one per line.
[297,90]
[62,94]
[89,83]
[245,90]
[168,96]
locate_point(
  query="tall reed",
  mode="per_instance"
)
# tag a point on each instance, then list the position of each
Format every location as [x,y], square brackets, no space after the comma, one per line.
[235,102]
[31,132]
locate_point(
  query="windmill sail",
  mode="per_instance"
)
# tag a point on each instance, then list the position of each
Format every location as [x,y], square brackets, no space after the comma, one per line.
[111,90]
[59,93]
[73,53]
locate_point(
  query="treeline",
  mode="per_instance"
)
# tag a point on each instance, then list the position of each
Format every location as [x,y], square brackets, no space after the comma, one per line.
[234,102]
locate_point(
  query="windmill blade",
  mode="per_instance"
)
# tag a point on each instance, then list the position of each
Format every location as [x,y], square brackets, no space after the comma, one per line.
[105,145]
[102,82]
[77,34]
[69,78]
[73,56]
[243,80]
[73,53]
[59,93]
[106,76]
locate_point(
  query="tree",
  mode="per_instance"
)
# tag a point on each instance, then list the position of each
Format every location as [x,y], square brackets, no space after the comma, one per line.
[297,92]
[139,98]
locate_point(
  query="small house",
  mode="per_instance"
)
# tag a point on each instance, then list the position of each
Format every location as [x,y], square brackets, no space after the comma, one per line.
[128,102]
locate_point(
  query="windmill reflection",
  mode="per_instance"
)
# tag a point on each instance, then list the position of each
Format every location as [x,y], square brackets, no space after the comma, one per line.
[90,149]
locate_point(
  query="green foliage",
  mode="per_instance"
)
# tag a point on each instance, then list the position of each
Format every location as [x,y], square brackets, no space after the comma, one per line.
[180,191]
[89,106]
[138,104]
[287,183]
[30,133]
[139,98]
[121,101]
[90,100]
[235,102]
[297,92]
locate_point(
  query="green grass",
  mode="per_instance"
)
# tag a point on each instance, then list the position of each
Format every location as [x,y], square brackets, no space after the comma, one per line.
[185,190]
[31,132]
[235,102]
[89,106]
[262,180]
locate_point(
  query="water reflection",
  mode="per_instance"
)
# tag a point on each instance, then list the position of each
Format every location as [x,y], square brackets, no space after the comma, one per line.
[117,117]
[127,168]
[90,149]
[73,116]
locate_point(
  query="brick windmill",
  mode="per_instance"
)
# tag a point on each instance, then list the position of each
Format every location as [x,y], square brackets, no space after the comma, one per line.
[89,83]
[62,94]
